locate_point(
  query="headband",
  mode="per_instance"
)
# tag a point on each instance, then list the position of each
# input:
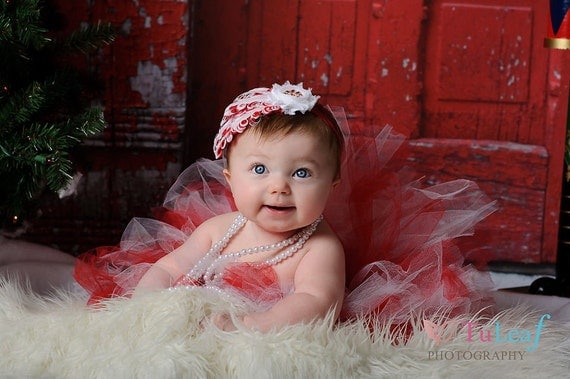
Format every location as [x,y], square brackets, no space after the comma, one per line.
[247,109]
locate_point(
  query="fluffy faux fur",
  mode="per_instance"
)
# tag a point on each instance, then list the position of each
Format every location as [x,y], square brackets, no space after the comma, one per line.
[162,335]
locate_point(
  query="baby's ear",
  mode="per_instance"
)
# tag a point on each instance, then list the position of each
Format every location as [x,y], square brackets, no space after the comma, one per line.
[227,175]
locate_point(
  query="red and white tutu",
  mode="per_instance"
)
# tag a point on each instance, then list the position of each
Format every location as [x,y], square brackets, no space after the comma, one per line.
[398,237]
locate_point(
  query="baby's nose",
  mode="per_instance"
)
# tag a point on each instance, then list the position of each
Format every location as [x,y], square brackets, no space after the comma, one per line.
[279,185]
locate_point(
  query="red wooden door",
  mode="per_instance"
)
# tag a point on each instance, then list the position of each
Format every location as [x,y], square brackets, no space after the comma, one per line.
[493,107]
[469,81]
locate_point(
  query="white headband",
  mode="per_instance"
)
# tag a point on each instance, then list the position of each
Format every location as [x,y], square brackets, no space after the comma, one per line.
[248,107]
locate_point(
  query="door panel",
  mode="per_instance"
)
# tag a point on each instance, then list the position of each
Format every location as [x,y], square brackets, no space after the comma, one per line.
[478,77]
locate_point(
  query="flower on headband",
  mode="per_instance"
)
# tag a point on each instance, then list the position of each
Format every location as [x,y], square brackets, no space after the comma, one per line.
[248,107]
[293,98]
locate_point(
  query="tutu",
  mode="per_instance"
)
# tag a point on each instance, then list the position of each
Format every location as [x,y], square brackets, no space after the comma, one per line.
[398,236]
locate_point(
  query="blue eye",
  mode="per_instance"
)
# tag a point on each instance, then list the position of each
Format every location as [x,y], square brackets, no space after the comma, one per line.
[259,169]
[302,173]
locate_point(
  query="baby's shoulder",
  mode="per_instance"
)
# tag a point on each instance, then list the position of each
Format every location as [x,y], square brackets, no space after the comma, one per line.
[218,224]
[325,239]
[326,236]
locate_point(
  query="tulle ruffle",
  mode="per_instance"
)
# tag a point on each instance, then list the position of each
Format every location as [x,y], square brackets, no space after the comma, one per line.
[398,236]
[198,194]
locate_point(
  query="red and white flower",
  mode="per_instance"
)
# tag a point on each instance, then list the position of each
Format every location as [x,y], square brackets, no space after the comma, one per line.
[248,107]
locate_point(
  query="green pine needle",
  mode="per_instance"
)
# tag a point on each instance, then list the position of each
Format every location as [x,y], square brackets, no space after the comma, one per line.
[23,105]
[89,38]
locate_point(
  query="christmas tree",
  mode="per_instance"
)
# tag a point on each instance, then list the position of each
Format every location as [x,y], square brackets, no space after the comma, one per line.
[46,101]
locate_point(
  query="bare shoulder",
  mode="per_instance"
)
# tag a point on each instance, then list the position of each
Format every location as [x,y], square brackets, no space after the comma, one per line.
[326,241]
[218,224]
[324,249]
[210,231]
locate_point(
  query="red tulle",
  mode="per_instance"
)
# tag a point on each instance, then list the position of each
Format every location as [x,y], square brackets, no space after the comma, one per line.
[256,283]
[398,234]
[98,271]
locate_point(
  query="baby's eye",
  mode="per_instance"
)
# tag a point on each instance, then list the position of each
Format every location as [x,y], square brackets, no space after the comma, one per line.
[302,173]
[259,169]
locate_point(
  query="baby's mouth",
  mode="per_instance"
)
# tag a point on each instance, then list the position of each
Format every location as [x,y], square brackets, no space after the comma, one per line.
[279,208]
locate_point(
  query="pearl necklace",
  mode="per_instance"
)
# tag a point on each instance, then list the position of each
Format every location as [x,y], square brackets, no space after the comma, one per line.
[205,267]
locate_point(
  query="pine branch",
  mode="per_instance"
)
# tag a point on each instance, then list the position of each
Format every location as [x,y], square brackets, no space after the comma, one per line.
[87,124]
[45,107]
[22,106]
[20,22]
[89,38]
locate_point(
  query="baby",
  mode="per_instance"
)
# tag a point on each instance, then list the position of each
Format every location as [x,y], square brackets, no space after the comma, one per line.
[283,153]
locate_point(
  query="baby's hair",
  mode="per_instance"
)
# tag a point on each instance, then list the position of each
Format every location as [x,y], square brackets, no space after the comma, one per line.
[319,122]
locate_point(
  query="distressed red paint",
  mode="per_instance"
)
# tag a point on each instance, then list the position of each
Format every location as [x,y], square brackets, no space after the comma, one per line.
[168,127]
[469,81]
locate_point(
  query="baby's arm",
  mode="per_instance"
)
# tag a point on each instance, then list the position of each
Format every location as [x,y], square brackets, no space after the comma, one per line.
[172,266]
[319,287]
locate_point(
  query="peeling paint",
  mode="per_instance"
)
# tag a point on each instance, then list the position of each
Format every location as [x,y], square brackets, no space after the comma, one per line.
[511,81]
[126,26]
[406,64]
[155,85]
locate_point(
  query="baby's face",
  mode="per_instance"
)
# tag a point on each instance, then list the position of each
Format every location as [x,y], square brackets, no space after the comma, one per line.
[281,183]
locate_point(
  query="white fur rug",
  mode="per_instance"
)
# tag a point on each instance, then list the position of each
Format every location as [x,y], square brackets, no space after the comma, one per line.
[159,335]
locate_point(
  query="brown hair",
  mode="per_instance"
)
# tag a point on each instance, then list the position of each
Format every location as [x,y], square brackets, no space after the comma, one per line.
[319,122]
